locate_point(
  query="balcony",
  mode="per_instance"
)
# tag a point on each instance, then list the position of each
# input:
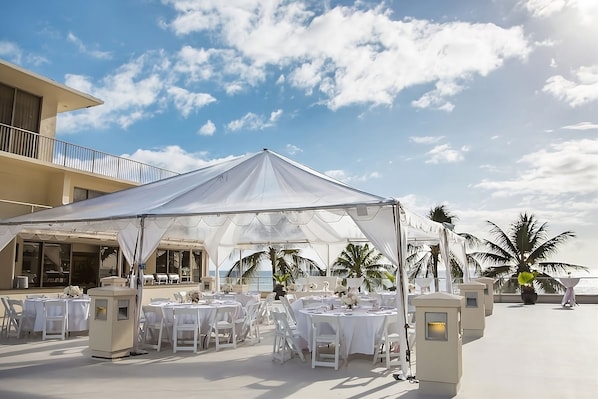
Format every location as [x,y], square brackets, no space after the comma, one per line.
[32,145]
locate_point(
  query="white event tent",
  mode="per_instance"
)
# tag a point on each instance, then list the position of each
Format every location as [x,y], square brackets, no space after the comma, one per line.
[251,201]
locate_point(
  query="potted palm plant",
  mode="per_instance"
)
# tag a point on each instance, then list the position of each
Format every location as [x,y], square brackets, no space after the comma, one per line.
[529,296]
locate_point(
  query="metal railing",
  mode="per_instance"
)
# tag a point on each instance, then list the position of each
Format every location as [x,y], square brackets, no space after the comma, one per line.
[33,145]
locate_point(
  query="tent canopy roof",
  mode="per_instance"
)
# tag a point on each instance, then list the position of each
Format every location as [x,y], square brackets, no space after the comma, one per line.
[255,199]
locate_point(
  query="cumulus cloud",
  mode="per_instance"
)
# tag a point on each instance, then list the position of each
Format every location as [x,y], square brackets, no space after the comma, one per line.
[186,101]
[208,129]
[346,55]
[174,158]
[251,121]
[129,95]
[586,11]
[571,166]
[582,126]
[444,153]
[581,90]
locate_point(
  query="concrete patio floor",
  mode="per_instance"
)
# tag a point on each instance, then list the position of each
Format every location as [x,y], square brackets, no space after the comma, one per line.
[540,351]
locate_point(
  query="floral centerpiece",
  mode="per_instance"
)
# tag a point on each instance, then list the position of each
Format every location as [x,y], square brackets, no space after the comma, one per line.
[313,286]
[193,296]
[350,299]
[227,288]
[340,290]
[73,291]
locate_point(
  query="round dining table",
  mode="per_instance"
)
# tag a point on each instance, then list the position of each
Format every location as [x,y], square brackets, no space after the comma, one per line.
[77,308]
[361,327]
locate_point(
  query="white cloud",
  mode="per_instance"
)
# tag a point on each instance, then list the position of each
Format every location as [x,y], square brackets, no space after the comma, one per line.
[13,53]
[445,154]
[174,158]
[129,95]
[186,101]
[584,90]
[208,129]
[544,8]
[426,139]
[292,149]
[564,169]
[100,55]
[10,51]
[586,11]
[253,121]
[349,55]
[582,126]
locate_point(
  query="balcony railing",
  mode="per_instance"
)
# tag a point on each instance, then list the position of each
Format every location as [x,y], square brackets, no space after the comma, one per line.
[32,145]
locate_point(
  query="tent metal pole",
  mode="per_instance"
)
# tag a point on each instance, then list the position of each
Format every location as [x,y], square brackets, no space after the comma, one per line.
[139,287]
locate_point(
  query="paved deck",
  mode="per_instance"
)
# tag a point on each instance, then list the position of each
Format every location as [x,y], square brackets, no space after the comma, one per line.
[540,351]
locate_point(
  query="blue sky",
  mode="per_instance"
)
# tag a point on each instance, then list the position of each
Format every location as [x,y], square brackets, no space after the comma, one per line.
[488,107]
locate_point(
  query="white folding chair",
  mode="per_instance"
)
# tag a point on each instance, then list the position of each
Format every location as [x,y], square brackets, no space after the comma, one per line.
[387,346]
[185,320]
[55,319]
[289,310]
[251,327]
[18,319]
[6,317]
[154,327]
[224,326]
[266,311]
[286,340]
[326,335]
[178,297]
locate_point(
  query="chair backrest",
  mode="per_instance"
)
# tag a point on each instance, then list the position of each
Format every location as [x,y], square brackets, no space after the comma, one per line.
[185,316]
[178,297]
[15,306]
[152,314]
[226,314]
[55,308]
[281,322]
[287,307]
[322,323]
[252,310]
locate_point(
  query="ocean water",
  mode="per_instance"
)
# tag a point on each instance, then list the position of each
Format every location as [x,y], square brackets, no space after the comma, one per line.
[263,283]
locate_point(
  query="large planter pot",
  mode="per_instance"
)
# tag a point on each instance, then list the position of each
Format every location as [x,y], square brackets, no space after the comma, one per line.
[529,298]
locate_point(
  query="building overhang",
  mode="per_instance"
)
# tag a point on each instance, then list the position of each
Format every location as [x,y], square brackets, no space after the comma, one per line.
[67,99]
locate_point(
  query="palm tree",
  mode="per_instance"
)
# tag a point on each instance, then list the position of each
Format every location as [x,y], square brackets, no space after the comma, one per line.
[284,261]
[525,248]
[424,259]
[361,261]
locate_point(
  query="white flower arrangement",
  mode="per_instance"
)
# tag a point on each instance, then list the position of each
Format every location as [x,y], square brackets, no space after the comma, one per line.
[313,286]
[193,296]
[340,290]
[73,291]
[226,287]
[350,299]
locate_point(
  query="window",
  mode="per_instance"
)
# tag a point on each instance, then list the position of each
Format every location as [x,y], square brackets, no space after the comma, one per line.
[56,264]
[81,194]
[108,261]
[21,110]
[173,262]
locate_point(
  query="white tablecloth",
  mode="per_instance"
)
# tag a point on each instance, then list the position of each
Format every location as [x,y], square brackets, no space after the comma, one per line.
[360,328]
[78,312]
[569,297]
[206,311]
